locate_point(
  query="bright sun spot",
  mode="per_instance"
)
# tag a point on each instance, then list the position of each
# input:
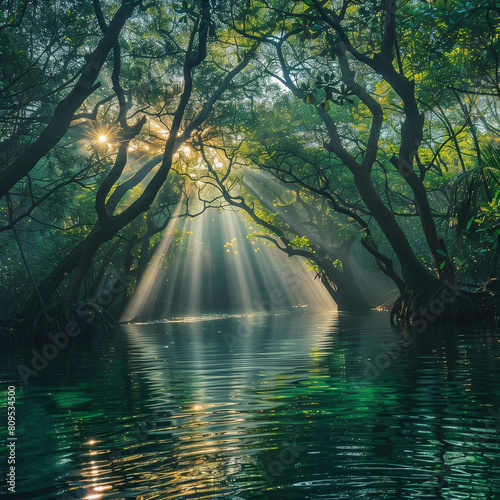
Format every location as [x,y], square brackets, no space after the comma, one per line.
[103,138]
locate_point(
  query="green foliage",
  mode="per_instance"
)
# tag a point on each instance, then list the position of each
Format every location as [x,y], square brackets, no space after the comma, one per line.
[301,242]
[268,123]
[450,44]
[476,189]
[488,225]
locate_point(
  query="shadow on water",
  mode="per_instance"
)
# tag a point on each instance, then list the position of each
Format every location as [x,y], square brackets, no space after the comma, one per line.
[285,405]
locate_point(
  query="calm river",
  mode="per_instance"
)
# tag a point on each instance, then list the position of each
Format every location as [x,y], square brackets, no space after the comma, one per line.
[284,406]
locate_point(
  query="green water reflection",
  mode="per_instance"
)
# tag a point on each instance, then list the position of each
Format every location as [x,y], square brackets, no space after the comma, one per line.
[291,405]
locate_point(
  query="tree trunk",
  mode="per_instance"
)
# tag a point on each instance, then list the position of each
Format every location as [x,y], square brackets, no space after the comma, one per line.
[106,261]
[92,243]
[343,289]
[414,274]
[51,283]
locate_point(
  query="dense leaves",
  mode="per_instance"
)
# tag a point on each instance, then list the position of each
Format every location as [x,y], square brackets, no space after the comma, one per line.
[363,131]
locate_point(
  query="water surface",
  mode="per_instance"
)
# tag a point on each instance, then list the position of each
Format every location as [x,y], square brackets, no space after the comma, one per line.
[291,405]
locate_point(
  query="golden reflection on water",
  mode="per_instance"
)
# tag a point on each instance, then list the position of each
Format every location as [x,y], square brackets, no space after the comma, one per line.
[222,417]
[206,438]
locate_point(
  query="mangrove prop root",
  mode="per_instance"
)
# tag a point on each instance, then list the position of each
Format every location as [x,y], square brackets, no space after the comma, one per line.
[51,321]
[447,304]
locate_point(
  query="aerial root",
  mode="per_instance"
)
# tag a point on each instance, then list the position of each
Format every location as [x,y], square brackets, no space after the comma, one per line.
[447,305]
[51,320]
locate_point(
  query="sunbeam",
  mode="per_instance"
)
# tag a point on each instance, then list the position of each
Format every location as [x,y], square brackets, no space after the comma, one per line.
[217,268]
[147,290]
